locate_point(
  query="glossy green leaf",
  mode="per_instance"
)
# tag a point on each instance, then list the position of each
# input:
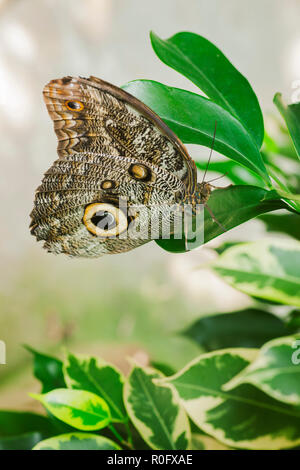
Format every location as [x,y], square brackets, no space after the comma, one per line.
[22,430]
[80,409]
[276,370]
[224,246]
[165,369]
[282,146]
[155,411]
[267,269]
[270,145]
[233,171]
[77,441]
[205,65]
[14,423]
[230,206]
[291,115]
[21,442]
[249,328]
[283,223]
[192,117]
[244,417]
[286,177]
[48,370]
[96,376]
[293,319]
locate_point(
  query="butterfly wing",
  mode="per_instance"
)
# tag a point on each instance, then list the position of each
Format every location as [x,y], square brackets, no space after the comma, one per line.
[111,148]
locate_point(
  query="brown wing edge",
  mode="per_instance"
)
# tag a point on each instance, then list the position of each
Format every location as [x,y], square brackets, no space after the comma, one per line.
[149,114]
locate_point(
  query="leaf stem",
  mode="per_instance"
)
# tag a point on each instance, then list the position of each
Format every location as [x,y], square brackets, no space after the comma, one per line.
[119,437]
[291,196]
[129,433]
[276,179]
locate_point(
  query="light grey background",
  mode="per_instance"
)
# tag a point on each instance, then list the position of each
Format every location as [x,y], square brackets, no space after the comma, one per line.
[45,39]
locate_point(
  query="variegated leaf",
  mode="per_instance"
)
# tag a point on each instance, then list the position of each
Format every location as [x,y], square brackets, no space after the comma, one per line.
[155,411]
[96,376]
[77,441]
[276,370]
[268,269]
[78,408]
[244,417]
[203,442]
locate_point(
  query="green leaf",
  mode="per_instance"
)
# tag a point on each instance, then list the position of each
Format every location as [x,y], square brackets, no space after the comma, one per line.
[77,441]
[96,376]
[293,319]
[286,176]
[267,269]
[276,370]
[192,117]
[224,246]
[155,411]
[230,206]
[236,173]
[162,367]
[245,328]
[269,144]
[205,65]
[48,370]
[291,115]
[22,430]
[14,423]
[283,223]
[284,147]
[80,409]
[244,417]
[21,442]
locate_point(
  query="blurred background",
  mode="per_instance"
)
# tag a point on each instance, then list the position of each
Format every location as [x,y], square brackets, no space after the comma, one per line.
[134,303]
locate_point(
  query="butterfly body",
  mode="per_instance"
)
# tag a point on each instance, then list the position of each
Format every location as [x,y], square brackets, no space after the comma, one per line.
[115,155]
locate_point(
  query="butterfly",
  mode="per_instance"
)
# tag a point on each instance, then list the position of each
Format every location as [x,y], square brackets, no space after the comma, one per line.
[115,154]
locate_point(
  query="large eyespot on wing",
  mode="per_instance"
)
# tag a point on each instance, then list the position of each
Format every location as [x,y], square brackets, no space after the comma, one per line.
[105,220]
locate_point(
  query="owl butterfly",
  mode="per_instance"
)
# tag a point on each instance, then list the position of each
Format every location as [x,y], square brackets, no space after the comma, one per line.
[114,154]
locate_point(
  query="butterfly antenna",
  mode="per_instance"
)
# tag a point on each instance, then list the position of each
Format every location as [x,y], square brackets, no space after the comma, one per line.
[217,178]
[211,151]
